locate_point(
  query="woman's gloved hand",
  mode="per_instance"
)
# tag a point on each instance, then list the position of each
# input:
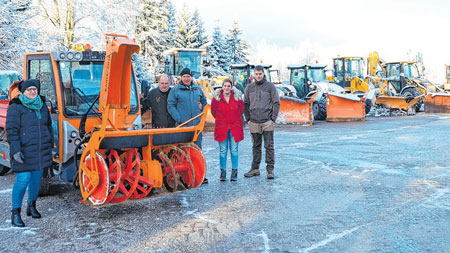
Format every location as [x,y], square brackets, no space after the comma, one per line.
[18,157]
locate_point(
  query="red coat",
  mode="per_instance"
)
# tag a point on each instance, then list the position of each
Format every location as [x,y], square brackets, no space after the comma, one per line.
[228,116]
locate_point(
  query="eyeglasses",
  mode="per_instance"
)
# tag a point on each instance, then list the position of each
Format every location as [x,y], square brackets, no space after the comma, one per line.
[31,89]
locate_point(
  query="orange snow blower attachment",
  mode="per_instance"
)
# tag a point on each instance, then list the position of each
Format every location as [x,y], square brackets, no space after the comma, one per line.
[295,110]
[437,103]
[345,107]
[121,162]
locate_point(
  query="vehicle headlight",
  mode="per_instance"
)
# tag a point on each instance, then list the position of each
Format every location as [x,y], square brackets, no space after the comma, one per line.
[70,55]
[73,134]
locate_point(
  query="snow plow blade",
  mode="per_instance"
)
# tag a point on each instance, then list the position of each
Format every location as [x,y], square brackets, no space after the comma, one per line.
[345,107]
[294,111]
[399,103]
[437,103]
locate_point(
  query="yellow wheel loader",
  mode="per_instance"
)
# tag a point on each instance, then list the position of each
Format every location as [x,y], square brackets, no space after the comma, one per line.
[176,59]
[348,73]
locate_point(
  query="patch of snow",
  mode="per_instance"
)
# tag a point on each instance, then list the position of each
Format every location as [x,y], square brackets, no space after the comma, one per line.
[266,241]
[5,191]
[329,239]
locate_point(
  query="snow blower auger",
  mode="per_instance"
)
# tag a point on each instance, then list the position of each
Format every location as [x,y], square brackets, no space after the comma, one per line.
[295,110]
[121,162]
[437,103]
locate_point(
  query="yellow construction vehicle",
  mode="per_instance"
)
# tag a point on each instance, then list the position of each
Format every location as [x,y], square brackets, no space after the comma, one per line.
[98,141]
[196,60]
[348,73]
[399,84]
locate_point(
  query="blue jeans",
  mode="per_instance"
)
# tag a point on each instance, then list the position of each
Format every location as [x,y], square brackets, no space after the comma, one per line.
[228,143]
[32,180]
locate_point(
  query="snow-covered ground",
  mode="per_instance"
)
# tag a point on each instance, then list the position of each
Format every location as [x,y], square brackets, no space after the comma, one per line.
[380,185]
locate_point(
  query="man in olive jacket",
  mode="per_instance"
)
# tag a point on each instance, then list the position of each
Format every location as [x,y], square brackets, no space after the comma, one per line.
[262,104]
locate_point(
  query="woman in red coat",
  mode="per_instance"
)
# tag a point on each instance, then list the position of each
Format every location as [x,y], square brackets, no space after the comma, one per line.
[227,108]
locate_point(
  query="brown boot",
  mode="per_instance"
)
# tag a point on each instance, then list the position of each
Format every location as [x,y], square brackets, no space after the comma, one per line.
[270,174]
[252,173]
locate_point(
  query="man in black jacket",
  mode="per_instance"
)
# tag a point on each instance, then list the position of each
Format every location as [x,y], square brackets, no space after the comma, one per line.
[156,101]
[262,104]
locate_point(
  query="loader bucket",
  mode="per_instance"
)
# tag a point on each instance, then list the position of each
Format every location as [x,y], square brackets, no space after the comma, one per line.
[437,103]
[399,103]
[294,110]
[345,107]
[210,120]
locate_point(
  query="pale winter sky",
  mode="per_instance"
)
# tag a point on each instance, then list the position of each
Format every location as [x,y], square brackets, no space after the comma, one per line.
[284,32]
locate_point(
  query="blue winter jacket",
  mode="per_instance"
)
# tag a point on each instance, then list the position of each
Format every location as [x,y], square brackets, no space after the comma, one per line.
[183,103]
[29,135]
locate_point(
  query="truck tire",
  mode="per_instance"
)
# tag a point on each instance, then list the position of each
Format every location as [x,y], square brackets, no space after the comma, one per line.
[44,188]
[368,105]
[411,92]
[319,108]
[3,170]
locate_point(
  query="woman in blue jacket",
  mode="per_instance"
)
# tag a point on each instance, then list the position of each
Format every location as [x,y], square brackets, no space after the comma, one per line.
[29,133]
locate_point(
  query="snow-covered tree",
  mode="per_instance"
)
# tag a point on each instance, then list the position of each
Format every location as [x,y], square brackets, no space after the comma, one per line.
[171,22]
[151,30]
[202,38]
[16,35]
[218,51]
[237,47]
[187,31]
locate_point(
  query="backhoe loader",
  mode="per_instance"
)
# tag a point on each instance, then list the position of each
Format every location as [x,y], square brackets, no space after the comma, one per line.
[292,109]
[99,145]
[398,83]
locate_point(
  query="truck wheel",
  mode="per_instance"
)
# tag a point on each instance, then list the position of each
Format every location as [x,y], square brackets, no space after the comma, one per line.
[44,188]
[413,93]
[368,105]
[3,170]
[320,108]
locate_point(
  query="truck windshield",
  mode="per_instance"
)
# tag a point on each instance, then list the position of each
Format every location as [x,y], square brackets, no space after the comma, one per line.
[354,67]
[411,71]
[240,77]
[6,79]
[191,60]
[317,75]
[80,83]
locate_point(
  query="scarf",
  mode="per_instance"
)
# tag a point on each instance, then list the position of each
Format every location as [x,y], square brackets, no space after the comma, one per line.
[32,104]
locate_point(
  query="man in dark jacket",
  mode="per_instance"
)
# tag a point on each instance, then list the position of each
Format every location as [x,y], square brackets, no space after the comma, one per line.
[186,100]
[262,104]
[156,101]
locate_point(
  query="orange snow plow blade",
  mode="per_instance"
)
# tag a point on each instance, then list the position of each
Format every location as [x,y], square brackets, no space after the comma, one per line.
[437,103]
[400,103]
[294,110]
[345,107]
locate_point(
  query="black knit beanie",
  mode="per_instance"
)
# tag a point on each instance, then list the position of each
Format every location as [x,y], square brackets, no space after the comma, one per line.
[186,71]
[28,83]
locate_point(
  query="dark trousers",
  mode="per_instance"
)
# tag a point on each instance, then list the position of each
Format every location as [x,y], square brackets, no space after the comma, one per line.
[268,146]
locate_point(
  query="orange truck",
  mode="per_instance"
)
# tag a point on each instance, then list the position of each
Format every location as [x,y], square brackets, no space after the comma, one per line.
[99,143]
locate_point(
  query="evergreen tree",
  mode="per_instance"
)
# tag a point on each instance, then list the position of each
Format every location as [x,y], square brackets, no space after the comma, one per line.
[237,47]
[171,23]
[187,30]
[201,37]
[218,51]
[151,29]
[16,36]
